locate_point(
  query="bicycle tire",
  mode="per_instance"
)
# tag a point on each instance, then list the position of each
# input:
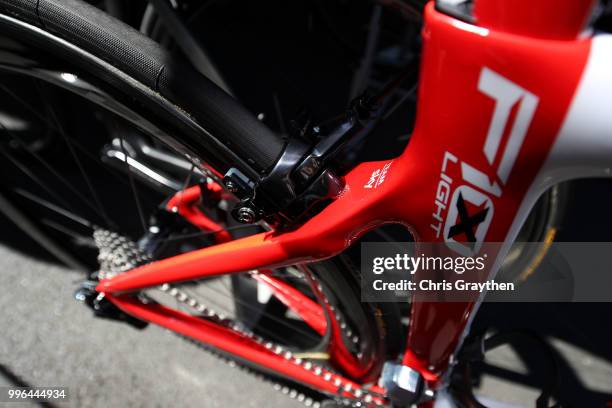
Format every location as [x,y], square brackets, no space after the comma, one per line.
[128,50]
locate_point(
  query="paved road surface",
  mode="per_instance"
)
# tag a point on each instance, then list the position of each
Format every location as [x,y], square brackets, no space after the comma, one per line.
[49,339]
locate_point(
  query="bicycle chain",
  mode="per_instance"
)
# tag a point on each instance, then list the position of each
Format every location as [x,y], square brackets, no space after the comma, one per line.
[118,254]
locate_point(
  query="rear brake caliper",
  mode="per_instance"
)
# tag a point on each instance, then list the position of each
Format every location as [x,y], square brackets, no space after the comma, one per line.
[118,254]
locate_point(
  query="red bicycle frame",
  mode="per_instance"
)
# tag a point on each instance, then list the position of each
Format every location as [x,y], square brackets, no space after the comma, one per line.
[507,107]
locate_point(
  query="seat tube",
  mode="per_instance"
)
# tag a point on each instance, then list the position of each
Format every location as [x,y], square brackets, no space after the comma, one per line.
[514,45]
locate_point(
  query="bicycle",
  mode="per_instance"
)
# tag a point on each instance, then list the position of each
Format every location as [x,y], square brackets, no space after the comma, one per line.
[218,193]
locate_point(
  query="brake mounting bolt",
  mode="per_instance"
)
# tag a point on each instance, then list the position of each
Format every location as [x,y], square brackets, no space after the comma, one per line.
[246,215]
[231,186]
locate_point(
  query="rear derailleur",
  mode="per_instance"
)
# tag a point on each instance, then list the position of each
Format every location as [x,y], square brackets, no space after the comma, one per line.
[103,308]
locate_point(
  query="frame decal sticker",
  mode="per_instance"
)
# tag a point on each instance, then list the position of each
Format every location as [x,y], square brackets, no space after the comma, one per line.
[462,221]
[471,208]
[378,176]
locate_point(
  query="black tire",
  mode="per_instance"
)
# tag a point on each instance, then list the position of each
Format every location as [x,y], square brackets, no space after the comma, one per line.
[116,43]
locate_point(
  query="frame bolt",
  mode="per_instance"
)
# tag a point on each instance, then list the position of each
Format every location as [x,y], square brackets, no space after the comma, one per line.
[246,215]
[231,186]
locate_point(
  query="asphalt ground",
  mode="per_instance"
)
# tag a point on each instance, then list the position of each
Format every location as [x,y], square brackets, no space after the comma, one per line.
[48,339]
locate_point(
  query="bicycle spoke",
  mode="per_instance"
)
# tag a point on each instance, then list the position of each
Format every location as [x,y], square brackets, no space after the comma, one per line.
[53,207]
[262,330]
[27,106]
[51,170]
[279,113]
[133,186]
[401,101]
[99,161]
[269,315]
[224,308]
[363,73]
[79,239]
[186,182]
[73,141]
[79,164]
[31,175]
